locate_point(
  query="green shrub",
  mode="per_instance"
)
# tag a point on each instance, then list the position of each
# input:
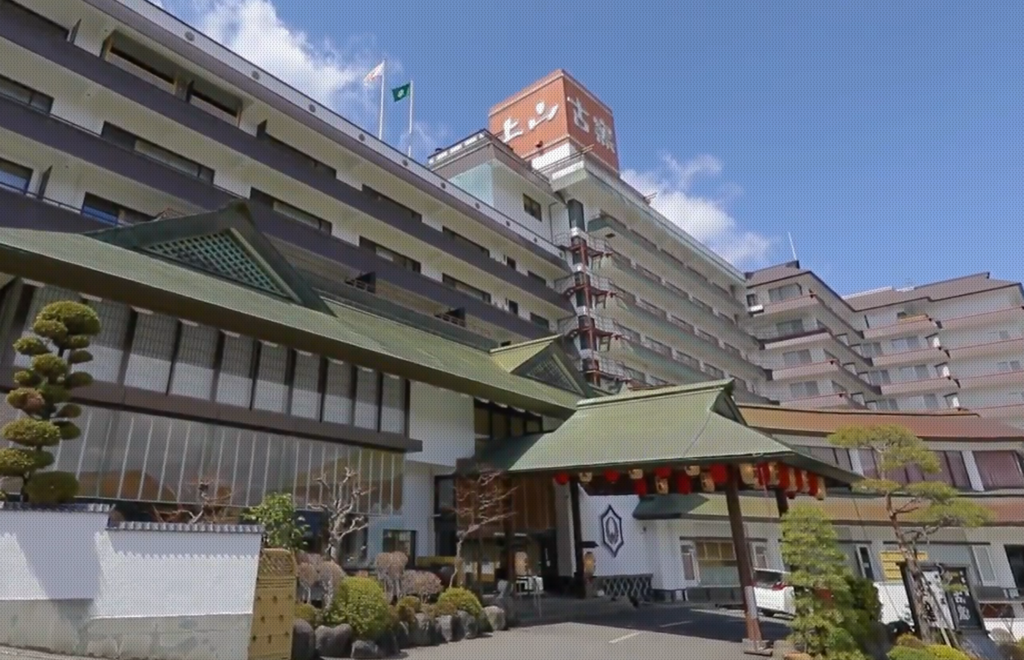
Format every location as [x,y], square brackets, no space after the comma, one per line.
[462,599]
[361,603]
[943,652]
[407,608]
[908,653]
[307,613]
[439,609]
[52,488]
[910,642]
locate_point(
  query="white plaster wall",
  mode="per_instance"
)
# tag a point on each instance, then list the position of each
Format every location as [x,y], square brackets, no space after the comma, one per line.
[443,421]
[634,558]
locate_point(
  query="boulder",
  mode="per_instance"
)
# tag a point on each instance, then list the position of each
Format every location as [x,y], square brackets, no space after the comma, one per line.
[364,649]
[469,625]
[402,635]
[511,613]
[422,632]
[303,641]
[451,628]
[495,618]
[388,645]
[333,642]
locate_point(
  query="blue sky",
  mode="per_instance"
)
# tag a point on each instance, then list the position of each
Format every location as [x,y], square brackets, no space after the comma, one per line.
[885,139]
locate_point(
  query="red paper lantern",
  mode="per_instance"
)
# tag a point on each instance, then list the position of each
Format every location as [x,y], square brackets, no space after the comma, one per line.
[663,472]
[640,487]
[813,485]
[799,481]
[611,476]
[784,478]
[719,474]
[791,496]
[763,475]
[683,483]
[562,478]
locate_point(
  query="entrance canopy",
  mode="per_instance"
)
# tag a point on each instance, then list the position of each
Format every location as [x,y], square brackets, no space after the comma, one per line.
[658,431]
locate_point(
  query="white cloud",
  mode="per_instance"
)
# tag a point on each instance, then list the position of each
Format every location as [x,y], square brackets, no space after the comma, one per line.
[326,71]
[704,218]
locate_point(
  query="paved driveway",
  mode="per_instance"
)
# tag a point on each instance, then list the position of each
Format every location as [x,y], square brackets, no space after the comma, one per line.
[654,633]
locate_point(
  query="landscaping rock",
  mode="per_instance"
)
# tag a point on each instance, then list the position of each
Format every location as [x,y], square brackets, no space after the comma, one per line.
[303,641]
[364,649]
[495,617]
[451,628]
[388,645]
[508,606]
[402,635]
[422,632]
[468,623]
[333,642]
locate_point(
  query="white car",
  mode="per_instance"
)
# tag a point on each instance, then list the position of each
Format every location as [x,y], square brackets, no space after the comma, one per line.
[773,594]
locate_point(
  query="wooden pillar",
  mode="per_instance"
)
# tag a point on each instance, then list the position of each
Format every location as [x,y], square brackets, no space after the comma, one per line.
[579,577]
[509,528]
[782,502]
[739,540]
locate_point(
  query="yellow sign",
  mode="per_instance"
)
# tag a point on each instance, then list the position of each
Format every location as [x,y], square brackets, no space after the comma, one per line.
[891,564]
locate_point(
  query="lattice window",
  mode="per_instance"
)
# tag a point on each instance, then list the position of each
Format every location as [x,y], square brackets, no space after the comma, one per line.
[222,255]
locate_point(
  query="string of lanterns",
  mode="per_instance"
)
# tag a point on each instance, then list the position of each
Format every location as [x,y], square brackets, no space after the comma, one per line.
[792,481]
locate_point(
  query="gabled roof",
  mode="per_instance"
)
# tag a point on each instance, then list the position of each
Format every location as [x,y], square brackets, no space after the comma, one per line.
[224,244]
[932,425]
[684,425]
[543,360]
[103,268]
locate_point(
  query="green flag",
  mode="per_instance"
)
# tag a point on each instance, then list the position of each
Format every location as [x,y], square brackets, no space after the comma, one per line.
[399,93]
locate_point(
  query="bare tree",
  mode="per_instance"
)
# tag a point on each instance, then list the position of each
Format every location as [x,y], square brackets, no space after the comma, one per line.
[340,501]
[480,502]
[209,507]
[390,568]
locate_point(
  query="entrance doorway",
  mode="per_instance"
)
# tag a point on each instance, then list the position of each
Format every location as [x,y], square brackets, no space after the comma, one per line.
[1015,556]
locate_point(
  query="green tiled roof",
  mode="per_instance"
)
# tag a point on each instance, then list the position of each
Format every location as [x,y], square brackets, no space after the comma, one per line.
[689,424]
[512,357]
[90,265]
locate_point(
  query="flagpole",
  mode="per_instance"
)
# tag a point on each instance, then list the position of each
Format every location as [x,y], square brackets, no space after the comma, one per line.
[411,92]
[380,118]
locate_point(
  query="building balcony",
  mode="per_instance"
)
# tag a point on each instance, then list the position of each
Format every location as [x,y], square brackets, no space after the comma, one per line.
[837,400]
[921,356]
[818,338]
[1008,411]
[793,308]
[1004,347]
[913,325]
[1002,379]
[943,384]
[997,317]
[656,362]
[829,369]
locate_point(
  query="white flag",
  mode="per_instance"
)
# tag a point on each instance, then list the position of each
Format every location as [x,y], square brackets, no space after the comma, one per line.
[374,74]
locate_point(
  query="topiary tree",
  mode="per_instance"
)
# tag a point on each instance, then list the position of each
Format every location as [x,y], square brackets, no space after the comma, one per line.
[282,527]
[916,511]
[461,599]
[62,333]
[361,603]
[822,596]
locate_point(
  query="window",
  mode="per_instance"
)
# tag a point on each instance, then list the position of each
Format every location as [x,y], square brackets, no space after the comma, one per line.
[513,307]
[999,469]
[703,305]
[540,320]
[689,555]
[714,372]
[292,212]
[533,208]
[658,347]
[234,381]
[953,469]
[787,328]
[653,309]
[833,455]
[537,278]
[879,378]
[871,349]
[708,337]
[381,197]
[272,379]
[864,563]
[797,358]
[110,212]
[313,163]
[305,401]
[392,256]
[37,21]
[130,141]
[884,404]
[339,395]
[465,288]
[215,101]
[759,556]
[14,177]
[401,540]
[752,300]
[688,360]
[931,402]
[804,390]
[367,398]
[193,371]
[787,292]
[444,494]
[108,348]
[392,414]
[149,364]
[915,373]
[688,327]
[459,238]
[22,94]
[905,344]
[1008,367]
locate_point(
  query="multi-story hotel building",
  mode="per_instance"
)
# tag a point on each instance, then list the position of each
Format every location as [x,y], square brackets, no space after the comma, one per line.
[651,305]
[952,344]
[113,113]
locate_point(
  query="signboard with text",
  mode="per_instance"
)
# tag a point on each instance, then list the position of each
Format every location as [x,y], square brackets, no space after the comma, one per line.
[552,111]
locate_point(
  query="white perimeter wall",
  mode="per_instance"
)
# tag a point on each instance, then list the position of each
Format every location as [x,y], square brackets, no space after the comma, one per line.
[86,589]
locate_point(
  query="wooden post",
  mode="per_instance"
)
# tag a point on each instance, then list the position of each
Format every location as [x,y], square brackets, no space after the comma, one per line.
[739,540]
[782,502]
[508,527]
[579,577]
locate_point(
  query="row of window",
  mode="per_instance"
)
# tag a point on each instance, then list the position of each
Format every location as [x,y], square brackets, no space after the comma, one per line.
[125,455]
[162,354]
[669,352]
[998,469]
[651,275]
[688,327]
